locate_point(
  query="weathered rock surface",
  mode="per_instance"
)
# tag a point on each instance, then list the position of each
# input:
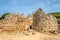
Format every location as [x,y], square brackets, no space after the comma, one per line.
[44,22]
[14,22]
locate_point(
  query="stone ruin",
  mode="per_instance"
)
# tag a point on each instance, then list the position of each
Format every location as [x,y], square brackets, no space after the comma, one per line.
[44,22]
[38,21]
[14,22]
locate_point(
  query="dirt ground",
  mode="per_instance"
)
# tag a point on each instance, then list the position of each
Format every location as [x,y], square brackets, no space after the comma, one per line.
[35,36]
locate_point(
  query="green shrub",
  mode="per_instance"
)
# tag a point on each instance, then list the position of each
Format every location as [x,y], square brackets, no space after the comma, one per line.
[3,16]
[57,15]
[40,9]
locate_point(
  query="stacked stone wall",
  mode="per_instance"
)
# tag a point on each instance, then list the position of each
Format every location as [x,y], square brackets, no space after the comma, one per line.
[44,22]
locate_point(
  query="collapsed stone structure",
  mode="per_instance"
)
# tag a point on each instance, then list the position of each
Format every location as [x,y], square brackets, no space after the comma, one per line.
[14,22]
[38,21]
[44,22]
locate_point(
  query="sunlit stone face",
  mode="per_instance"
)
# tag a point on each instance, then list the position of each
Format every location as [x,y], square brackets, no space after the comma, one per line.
[45,22]
[30,18]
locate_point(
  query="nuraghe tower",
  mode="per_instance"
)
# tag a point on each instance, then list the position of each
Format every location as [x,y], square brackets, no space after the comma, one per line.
[44,22]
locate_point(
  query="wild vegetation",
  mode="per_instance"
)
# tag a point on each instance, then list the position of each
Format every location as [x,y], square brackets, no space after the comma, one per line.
[3,16]
[57,15]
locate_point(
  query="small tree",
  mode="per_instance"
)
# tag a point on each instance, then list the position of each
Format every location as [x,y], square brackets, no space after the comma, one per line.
[40,9]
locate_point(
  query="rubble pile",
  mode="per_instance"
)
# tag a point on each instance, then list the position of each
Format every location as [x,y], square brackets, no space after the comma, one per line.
[14,22]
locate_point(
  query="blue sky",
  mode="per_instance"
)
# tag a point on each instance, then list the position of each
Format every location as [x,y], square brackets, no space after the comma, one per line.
[29,6]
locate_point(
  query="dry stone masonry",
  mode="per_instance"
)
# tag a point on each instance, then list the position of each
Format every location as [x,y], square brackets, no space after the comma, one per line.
[38,21]
[14,22]
[44,22]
